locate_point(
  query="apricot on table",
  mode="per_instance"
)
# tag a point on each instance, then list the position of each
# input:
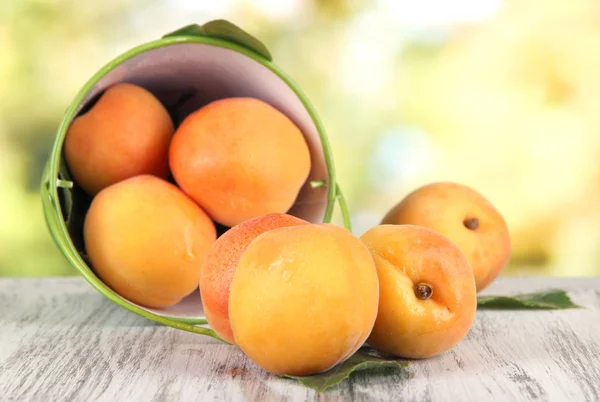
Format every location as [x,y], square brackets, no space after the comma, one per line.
[465,217]
[240,158]
[303,298]
[427,298]
[147,240]
[125,134]
[217,271]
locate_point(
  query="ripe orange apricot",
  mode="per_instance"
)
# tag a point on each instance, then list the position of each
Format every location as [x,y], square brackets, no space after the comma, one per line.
[303,298]
[147,240]
[217,272]
[465,217]
[240,158]
[427,298]
[125,134]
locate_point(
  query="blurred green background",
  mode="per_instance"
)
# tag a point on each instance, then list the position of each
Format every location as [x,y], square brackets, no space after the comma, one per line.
[500,95]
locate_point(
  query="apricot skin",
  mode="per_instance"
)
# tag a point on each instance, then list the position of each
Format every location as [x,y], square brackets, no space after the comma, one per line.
[407,326]
[147,240]
[125,134]
[303,298]
[240,158]
[217,272]
[450,208]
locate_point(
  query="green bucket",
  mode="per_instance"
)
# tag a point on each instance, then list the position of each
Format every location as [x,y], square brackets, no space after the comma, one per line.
[187,69]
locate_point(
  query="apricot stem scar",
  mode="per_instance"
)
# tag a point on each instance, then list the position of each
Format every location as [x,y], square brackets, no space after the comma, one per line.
[423,291]
[471,223]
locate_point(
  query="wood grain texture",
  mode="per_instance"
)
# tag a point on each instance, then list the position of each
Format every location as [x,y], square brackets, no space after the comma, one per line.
[62,341]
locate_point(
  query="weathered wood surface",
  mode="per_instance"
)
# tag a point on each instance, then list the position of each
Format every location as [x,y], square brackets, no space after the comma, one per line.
[60,340]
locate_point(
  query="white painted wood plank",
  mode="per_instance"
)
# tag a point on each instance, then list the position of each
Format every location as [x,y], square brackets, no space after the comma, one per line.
[60,340]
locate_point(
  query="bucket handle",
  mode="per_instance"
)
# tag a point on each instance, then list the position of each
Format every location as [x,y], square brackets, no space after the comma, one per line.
[343,207]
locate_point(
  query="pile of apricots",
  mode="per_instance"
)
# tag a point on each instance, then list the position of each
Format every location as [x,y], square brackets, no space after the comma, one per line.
[296,297]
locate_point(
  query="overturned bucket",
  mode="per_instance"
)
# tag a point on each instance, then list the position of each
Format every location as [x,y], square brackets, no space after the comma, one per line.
[186,70]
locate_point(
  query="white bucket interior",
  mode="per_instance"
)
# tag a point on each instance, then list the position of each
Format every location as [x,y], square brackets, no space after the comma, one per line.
[192,75]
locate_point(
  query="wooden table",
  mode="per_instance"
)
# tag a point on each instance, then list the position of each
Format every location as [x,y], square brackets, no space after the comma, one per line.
[60,340]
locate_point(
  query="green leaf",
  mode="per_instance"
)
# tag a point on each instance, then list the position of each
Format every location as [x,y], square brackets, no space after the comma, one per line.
[225,30]
[366,359]
[188,30]
[549,300]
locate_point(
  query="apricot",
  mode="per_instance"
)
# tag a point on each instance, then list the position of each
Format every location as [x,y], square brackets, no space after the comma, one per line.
[427,296]
[465,217]
[303,298]
[240,158]
[125,134]
[147,240]
[217,272]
